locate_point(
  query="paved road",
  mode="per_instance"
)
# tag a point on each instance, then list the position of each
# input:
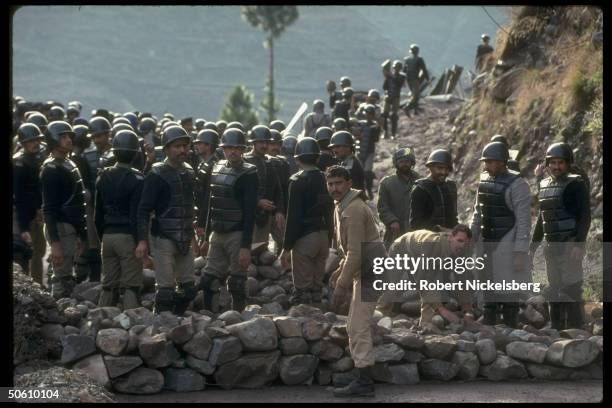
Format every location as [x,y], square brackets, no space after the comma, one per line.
[478,391]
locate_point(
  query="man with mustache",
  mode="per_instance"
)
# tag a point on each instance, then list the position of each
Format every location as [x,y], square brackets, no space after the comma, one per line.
[564,222]
[433,203]
[354,225]
[169,191]
[231,220]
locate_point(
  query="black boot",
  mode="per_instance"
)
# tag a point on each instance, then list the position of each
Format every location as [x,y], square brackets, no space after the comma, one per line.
[164,300]
[510,314]
[183,295]
[490,314]
[363,386]
[555,315]
[575,318]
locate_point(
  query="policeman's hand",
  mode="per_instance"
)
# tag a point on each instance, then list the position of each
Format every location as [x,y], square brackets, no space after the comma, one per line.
[520,261]
[39,217]
[395,228]
[200,231]
[25,236]
[141,250]
[57,255]
[150,152]
[265,204]
[204,248]
[539,170]
[244,258]
[577,253]
[285,257]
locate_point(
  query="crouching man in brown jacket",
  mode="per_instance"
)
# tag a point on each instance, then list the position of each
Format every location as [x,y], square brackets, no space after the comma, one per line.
[354,224]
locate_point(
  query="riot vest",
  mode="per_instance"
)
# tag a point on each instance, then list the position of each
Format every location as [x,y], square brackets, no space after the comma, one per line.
[395,83]
[117,211]
[225,210]
[559,224]
[444,197]
[106,160]
[369,137]
[411,67]
[326,159]
[497,218]
[73,209]
[176,223]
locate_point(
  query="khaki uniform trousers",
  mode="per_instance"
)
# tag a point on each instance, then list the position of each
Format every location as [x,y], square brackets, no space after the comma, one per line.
[68,243]
[223,254]
[359,328]
[171,266]
[308,258]
[120,267]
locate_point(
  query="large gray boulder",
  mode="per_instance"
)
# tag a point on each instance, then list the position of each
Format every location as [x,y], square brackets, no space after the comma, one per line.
[199,346]
[94,367]
[252,370]
[503,368]
[405,338]
[183,380]
[118,366]
[140,381]
[468,364]
[439,347]
[157,351]
[75,347]
[224,350]
[486,351]
[435,369]
[298,368]
[524,351]
[572,353]
[402,374]
[258,334]
[385,353]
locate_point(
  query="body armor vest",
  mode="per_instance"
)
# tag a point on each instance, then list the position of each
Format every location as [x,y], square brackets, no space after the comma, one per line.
[117,212]
[106,160]
[411,67]
[497,218]
[369,137]
[395,84]
[442,199]
[559,224]
[176,223]
[225,210]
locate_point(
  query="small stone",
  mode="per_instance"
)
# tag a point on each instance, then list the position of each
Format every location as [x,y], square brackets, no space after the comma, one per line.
[258,334]
[157,351]
[297,369]
[224,350]
[326,350]
[288,326]
[181,334]
[272,308]
[314,330]
[230,317]
[439,347]
[201,366]
[464,345]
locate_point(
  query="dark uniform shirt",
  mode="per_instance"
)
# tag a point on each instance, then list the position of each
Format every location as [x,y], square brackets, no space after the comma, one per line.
[421,208]
[326,159]
[119,188]
[393,84]
[354,166]
[26,187]
[269,186]
[310,207]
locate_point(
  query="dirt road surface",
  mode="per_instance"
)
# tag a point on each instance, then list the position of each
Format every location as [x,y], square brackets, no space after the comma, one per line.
[477,391]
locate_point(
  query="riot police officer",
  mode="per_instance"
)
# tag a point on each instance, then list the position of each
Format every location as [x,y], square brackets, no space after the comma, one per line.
[393,87]
[288,149]
[270,196]
[502,217]
[282,168]
[512,163]
[482,51]
[118,191]
[342,108]
[369,134]
[90,263]
[205,144]
[28,197]
[416,72]
[394,192]
[316,119]
[234,189]
[563,221]
[326,158]
[309,227]
[278,125]
[343,146]
[63,205]
[169,191]
[433,202]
